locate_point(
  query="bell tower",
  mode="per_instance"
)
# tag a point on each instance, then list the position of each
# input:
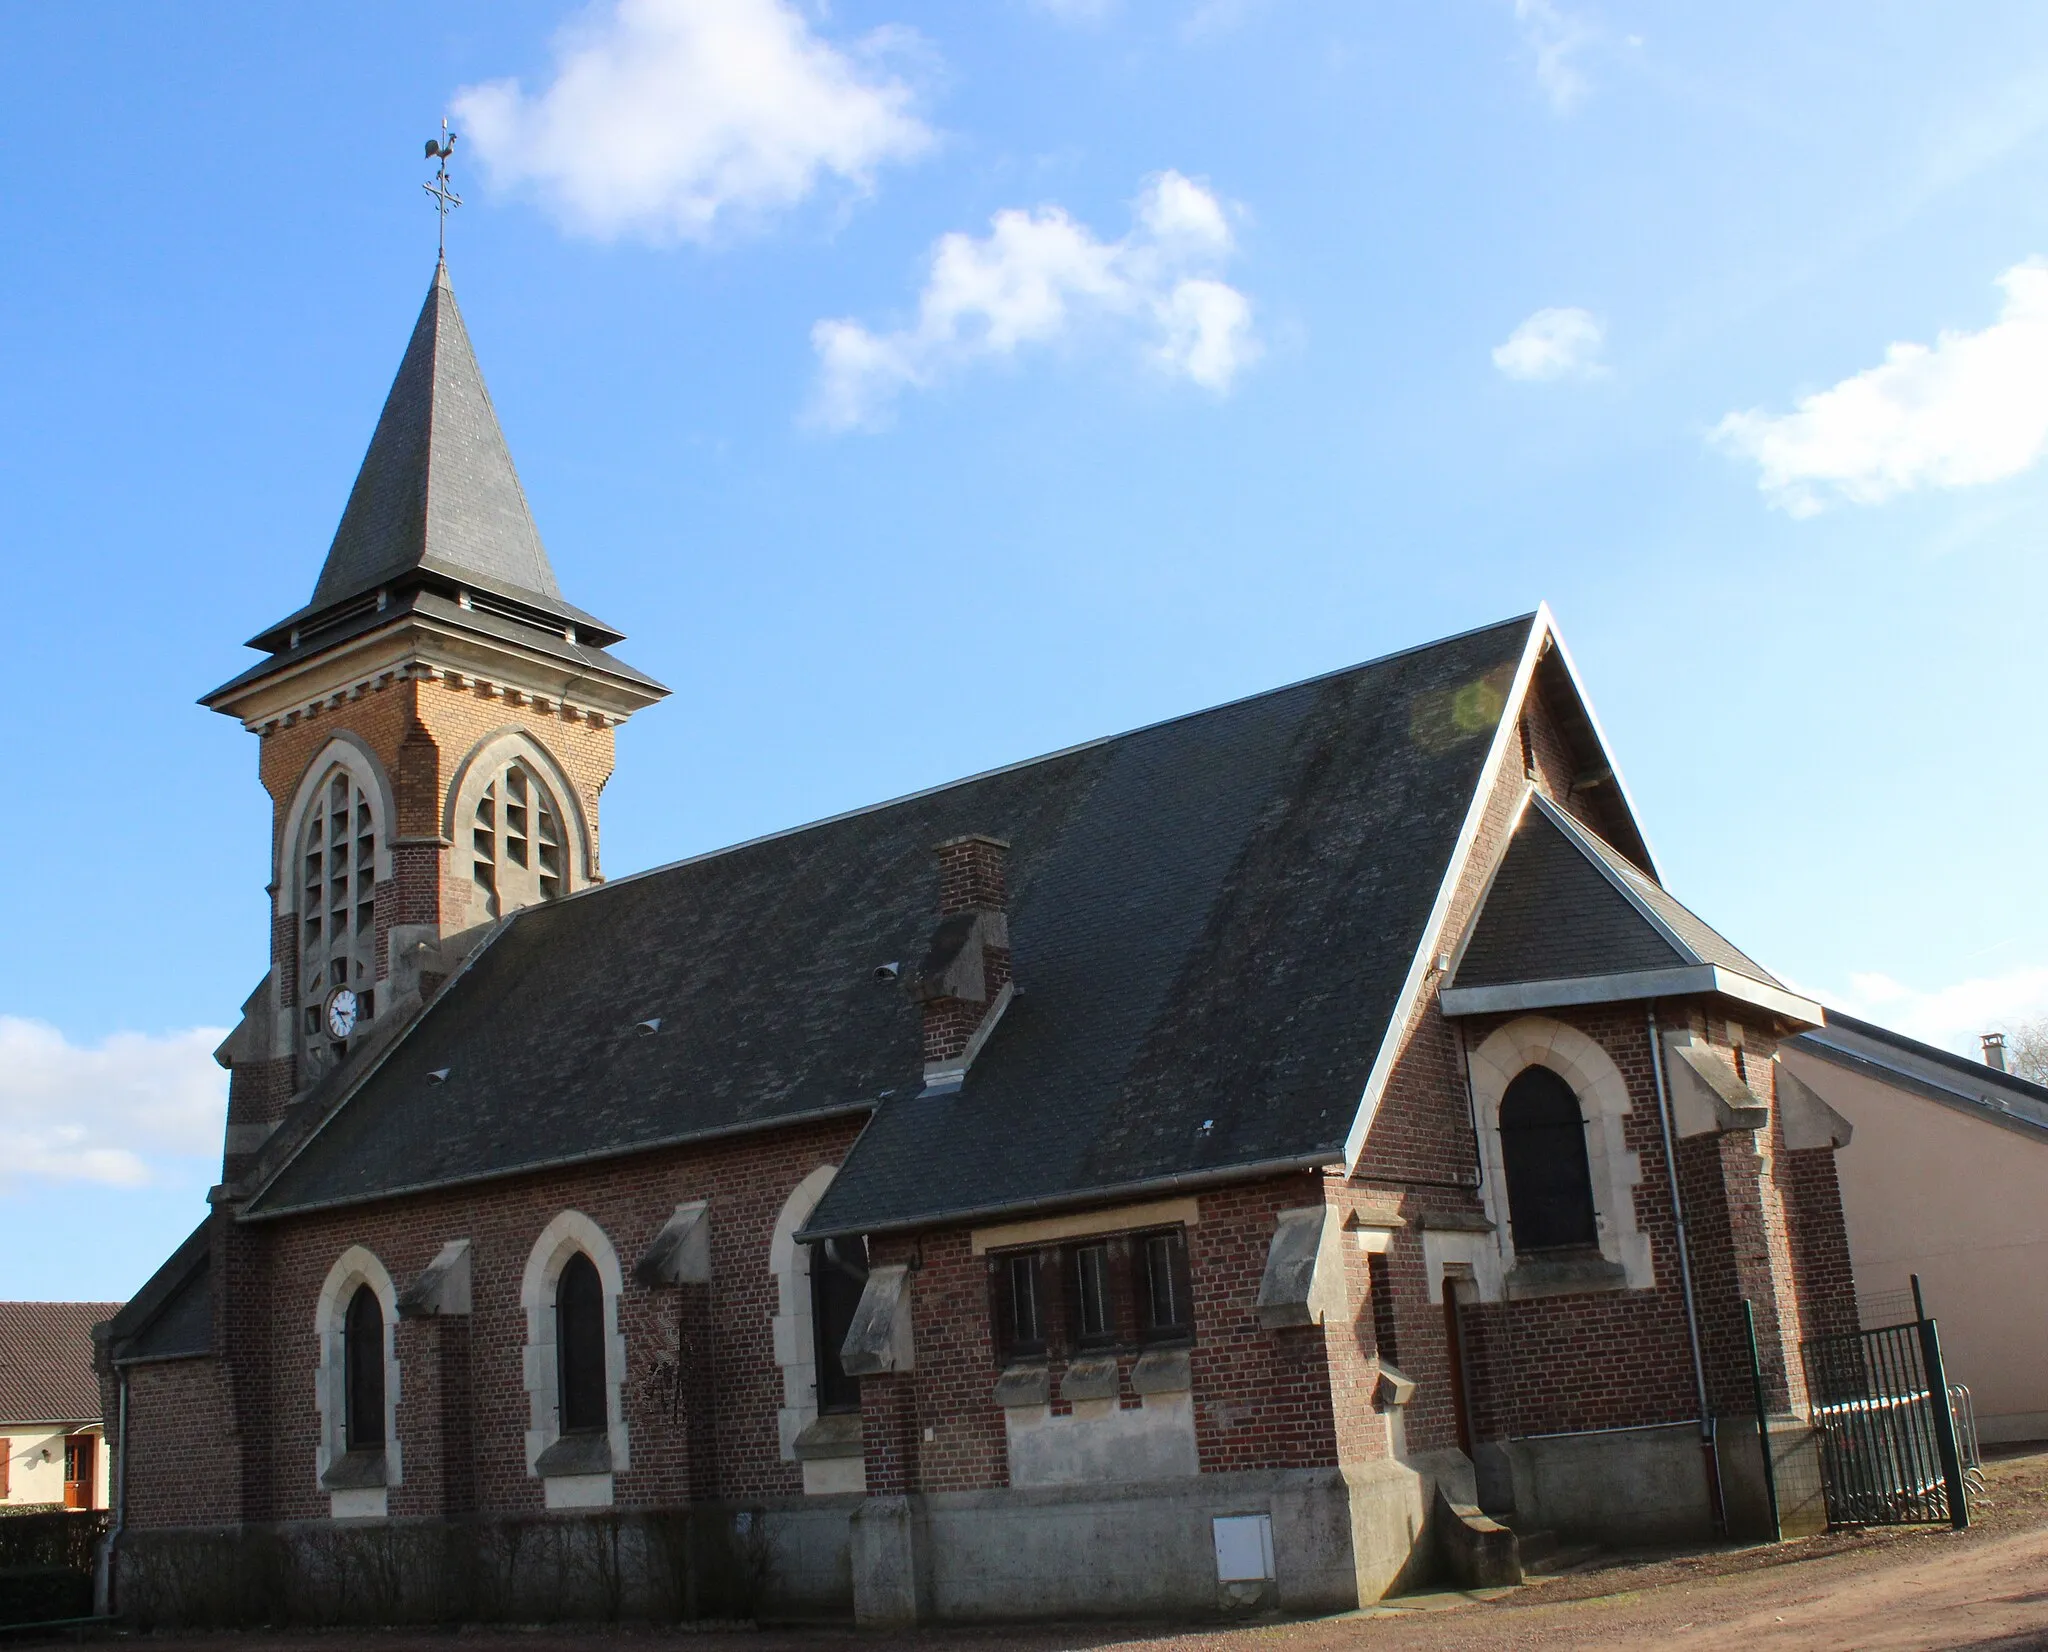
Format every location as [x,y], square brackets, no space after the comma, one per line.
[436,726]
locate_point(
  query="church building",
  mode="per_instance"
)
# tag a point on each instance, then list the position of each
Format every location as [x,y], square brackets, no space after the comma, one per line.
[1258,1162]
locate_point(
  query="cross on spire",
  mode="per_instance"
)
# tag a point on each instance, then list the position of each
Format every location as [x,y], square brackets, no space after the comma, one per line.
[445,199]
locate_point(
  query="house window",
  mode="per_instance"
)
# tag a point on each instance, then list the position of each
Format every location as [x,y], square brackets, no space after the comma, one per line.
[1020,1306]
[1094,1299]
[1126,1290]
[1543,1152]
[839,1273]
[1169,1308]
[337,913]
[362,1339]
[579,1346]
[516,849]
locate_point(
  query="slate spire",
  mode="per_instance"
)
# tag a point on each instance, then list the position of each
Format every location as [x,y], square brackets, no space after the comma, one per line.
[437,491]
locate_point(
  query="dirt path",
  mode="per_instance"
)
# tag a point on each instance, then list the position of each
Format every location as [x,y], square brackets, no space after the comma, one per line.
[1900,1591]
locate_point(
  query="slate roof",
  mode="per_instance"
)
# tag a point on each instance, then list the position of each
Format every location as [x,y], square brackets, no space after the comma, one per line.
[46,1373]
[171,1317]
[437,508]
[437,484]
[1937,1074]
[1565,904]
[1211,922]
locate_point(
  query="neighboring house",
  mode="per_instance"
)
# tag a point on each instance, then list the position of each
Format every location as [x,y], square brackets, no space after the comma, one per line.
[1165,1175]
[1946,1177]
[52,1445]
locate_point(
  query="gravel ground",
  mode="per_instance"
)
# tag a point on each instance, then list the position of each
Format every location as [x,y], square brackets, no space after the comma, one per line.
[1872,1591]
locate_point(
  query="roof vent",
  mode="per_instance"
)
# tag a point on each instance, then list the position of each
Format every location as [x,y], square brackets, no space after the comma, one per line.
[888,972]
[651,1025]
[439,1075]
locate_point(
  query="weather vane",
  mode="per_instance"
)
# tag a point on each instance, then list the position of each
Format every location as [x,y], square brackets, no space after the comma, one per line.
[445,199]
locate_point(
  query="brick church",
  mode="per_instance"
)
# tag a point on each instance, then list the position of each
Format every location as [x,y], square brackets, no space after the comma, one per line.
[1260,1161]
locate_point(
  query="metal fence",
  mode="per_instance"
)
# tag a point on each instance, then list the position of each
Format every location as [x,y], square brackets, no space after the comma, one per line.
[1890,1451]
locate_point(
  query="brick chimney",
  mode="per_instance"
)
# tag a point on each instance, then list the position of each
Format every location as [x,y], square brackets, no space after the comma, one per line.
[964,981]
[1994,1050]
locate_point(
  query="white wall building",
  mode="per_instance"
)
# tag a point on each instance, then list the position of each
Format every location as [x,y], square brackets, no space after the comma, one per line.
[1946,1177]
[52,1443]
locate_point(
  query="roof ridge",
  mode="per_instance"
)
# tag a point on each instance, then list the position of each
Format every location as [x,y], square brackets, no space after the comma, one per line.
[1023,763]
[1961,1065]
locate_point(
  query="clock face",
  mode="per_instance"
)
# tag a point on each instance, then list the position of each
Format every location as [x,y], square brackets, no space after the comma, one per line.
[341,1012]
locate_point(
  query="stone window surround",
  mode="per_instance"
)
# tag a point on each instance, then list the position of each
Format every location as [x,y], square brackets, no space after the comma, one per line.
[569,1233]
[355,1267]
[346,751]
[1604,1100]
[795,1339]
[483,764]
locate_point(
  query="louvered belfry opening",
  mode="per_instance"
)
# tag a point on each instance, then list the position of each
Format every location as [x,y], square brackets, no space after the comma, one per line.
[516,848]
[337,907]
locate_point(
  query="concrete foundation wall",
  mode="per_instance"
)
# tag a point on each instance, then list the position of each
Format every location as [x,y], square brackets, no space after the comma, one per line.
[1627,1487]
[668,1565]
[1129,1551]
[1795,1460]
[1140,1551]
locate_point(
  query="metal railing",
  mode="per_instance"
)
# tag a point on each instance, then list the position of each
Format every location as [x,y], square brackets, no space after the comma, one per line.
[1896,1448]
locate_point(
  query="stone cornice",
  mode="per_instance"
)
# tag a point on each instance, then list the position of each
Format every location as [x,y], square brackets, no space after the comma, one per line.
[414,649]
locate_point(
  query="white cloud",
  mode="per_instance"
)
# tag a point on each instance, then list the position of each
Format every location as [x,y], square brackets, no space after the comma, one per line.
[1553,344]
[1038,276]
[1555,39]
[671,119]
[1953,1017]
[105,1113]
[1971,408]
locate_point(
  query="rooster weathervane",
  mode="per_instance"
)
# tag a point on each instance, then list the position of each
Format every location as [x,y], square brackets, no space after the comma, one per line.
[445,199]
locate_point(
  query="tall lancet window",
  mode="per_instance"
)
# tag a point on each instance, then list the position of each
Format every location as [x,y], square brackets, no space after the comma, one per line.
[337,917]
[363,1370]
[516,841]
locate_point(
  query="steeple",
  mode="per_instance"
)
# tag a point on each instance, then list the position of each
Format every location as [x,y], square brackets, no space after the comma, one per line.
[437,540]
[437,490]
[437,728]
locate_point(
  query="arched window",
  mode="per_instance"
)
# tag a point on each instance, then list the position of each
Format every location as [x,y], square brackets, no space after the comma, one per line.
[516,841]
[363,1367]
[1543,1149]
[839,1273]
[579,1346]
[337,917]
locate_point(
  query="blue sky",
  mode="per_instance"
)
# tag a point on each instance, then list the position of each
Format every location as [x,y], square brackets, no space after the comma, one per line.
[924,387]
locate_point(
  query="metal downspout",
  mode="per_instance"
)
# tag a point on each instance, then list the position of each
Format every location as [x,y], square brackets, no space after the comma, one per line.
[1709,1446]
[103,1579]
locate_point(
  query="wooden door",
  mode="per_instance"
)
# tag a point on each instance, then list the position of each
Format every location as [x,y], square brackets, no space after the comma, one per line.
[1454,1341]
[78,1470]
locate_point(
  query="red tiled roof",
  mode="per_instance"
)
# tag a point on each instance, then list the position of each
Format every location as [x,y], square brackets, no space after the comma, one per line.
[46,1373]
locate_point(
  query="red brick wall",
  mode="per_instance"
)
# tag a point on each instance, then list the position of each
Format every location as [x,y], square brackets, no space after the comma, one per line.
[268,1279]
[184,1459]
[1261,1398]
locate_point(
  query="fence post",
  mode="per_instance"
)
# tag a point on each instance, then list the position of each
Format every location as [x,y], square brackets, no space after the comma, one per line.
[1763,1423]
[1944,1417]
